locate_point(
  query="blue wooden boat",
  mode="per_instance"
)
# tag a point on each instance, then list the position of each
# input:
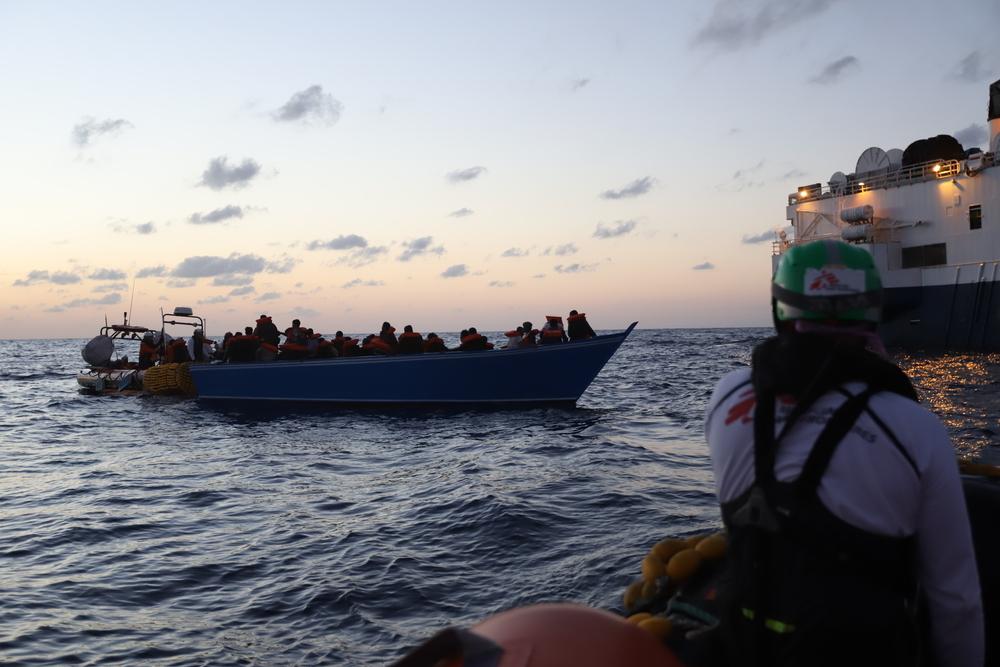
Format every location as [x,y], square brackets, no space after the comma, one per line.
[545,375]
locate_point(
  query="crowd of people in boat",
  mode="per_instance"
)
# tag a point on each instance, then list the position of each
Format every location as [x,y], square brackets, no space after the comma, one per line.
[263,342]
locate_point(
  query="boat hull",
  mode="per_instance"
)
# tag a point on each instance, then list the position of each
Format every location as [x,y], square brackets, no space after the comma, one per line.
[556,374]
[963,316]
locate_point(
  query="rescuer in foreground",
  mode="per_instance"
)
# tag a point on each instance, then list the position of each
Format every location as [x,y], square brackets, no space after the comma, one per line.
[840,493]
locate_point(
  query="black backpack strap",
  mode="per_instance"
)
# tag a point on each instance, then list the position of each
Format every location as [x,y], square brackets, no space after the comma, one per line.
[840,424]
[764,444]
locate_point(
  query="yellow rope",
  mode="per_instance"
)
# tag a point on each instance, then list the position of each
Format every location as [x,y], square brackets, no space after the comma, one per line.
[169,379]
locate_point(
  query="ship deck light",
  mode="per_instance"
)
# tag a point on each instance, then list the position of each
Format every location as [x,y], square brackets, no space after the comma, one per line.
[936,168]
[803,194]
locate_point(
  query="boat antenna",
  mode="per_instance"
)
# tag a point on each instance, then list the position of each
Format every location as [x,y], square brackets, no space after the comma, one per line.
[132,300]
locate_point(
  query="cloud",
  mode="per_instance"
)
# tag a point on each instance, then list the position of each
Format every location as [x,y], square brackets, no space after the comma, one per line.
[152,272]
[204,266]
[357,282]
[111,287]
[514,252]
[461,213]
[763,237]
[84,133]
[636,188]
[574,268]
[55,278]
[577,84]
[561,250]
[340,243]
[107,274]
[301,312]
[311,105]
[181,283]
[232,280]
[970,69]
[468,174]
[793,173]
[974,135]
[217,215]
[704,266]
[283,265]
[268,296]
[455,271]
[106,300]
[363,256]
[220,175]
[833,72]
[501,283]
[735,24]
[213,299]
[242,291]
[620,228]
[538,275]
[145,228]
[742,179]
[418,247]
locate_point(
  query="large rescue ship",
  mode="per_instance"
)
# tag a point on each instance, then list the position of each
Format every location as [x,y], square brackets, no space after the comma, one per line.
[930,217]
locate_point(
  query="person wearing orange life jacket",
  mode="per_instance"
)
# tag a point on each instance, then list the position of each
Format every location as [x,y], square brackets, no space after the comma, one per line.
[434,343]
[552,331]
[295,333]
[473,341]
[410,342]
[267,352]
[266,331]
[349,347]
[338,343]
[148,352]
[242,348]
[577,326]
[530,335]
[388,335]
[325,349]
[376,345]
[514,337]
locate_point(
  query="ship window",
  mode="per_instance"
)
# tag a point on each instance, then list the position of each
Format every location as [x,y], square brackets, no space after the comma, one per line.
[925,255]
[976,217]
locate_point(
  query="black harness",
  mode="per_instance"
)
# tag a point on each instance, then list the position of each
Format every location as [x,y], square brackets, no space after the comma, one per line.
[806,587]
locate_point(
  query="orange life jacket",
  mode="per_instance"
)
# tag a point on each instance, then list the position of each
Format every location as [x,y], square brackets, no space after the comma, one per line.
[349,347]
[435,345]
[268,346]
[289,347]
[475,342]
[410,334]
[529,338]
[378,345]
[578,316]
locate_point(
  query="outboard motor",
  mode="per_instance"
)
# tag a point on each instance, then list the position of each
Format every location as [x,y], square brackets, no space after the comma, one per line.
[98,351]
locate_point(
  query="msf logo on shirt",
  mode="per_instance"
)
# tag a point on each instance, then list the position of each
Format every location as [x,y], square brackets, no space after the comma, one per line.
[742,410]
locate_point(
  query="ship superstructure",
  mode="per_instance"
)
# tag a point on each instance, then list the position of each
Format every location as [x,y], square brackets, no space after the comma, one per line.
[930,217]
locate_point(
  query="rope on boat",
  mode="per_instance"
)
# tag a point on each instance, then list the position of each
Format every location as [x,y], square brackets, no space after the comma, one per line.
[169,379]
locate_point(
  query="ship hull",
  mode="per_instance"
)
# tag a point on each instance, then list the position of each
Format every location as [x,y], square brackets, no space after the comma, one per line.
[962,316]
[556,374]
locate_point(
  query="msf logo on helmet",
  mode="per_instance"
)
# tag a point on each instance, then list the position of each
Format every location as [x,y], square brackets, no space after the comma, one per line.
[834,280]
[825,280]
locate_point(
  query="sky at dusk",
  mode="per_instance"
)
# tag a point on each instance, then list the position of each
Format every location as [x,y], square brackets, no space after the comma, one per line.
[446,164]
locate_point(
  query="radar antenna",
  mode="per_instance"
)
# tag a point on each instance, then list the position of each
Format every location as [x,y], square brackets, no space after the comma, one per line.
[874,159]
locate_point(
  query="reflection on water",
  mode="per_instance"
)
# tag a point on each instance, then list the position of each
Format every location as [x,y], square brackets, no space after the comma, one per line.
[964,391]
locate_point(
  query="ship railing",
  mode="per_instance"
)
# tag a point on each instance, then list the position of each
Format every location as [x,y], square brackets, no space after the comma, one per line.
[915,173]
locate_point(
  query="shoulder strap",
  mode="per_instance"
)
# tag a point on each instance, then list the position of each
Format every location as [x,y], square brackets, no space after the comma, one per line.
[841,422]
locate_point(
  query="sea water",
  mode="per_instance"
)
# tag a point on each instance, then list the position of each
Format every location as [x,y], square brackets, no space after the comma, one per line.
[154,530]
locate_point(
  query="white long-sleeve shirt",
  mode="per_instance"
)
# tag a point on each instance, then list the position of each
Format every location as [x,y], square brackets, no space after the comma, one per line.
[895,474]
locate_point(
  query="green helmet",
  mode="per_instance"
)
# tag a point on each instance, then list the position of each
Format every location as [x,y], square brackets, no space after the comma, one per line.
[827,280]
